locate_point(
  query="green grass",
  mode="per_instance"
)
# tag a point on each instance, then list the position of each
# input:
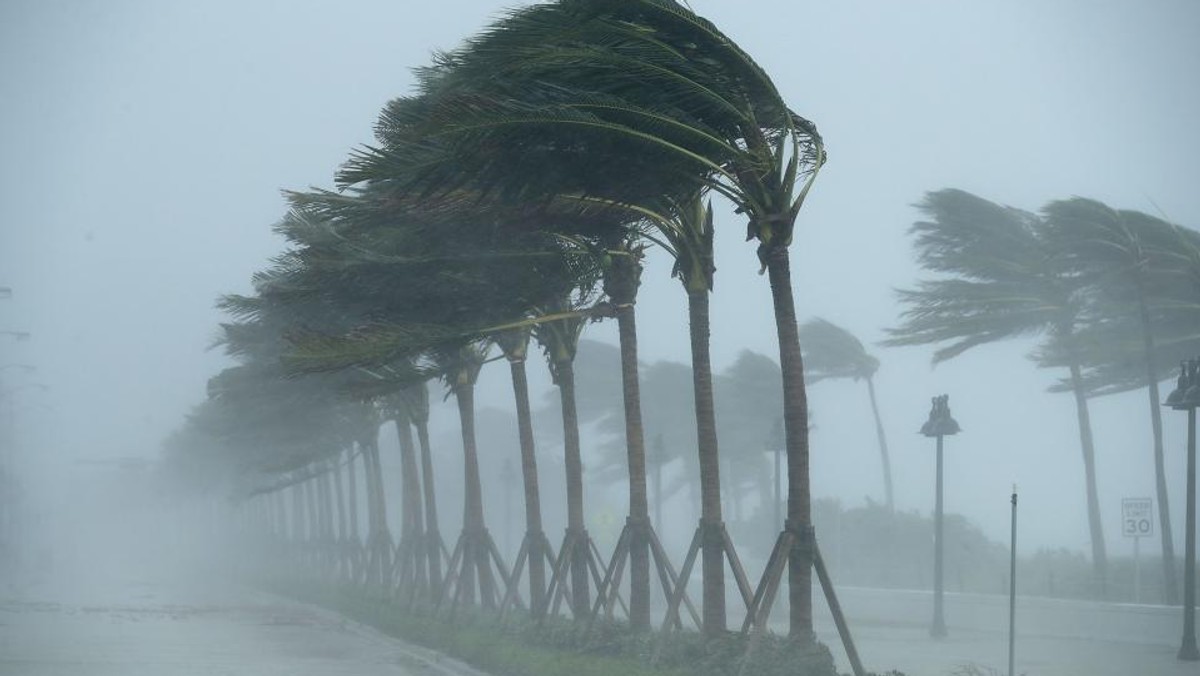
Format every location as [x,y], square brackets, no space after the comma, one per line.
[558,647]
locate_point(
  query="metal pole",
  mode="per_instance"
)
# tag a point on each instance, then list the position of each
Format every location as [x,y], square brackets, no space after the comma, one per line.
[938,630]
[1012,589]
[1137,571]
[1188,651]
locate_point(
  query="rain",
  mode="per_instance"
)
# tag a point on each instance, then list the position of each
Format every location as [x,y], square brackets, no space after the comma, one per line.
[598,337]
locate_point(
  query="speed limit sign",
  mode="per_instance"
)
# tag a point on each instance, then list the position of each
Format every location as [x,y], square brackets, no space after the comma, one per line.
[1137,517]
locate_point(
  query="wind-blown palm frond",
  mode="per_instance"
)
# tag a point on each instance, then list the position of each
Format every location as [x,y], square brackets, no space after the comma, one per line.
[833,352]
[1005,283]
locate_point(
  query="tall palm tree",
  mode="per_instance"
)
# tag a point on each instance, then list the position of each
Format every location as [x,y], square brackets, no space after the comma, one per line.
[689,237]
[622,277]
[1002,281]
[411,567]
[831,351]
[460,365]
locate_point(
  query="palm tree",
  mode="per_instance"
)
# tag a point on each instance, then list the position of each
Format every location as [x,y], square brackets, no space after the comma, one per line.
[833,352]
[1004,282]
[689,237]
[622,276]
[410,552]
[460,365]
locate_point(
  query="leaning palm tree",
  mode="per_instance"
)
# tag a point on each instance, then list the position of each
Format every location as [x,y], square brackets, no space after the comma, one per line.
[830,352]
[1121,255]
[1001,281]
[475,552]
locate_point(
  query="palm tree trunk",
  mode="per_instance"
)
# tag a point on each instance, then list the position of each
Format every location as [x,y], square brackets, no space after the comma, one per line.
[353,496]
[565,376]
[379,540]
[310,505]
[339,549]
[1170,575]
[325,495]
[795,427]
[340,498]
[410,498]
[279,507]
[432,536]
[410,487]
[297,513]
[475,552]
[712,565]
[883,448]
[1099,554]
[639,507]
[533,505]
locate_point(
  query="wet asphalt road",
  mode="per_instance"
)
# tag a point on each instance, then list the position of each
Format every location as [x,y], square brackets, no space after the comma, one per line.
[156,627]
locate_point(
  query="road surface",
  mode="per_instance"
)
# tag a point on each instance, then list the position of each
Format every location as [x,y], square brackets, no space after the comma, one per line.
[1055,637]
[159,627]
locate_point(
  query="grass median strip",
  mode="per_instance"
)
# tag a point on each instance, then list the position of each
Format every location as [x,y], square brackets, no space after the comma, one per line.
[560,647]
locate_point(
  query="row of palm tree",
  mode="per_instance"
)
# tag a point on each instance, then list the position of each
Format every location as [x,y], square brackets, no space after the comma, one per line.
[1111,294]
[519,183]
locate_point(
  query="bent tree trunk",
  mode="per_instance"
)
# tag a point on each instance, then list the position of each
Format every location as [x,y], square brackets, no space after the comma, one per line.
[410,500]
[1170,575]
[475,552]
[883,449]
[433,538]
[1099,554]
[712,565]
[639,505]
[533,506]
[565,375]
[795,428]
[379,539]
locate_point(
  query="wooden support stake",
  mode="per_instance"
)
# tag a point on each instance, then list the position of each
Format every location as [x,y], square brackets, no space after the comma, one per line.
[836,608]
[689,561]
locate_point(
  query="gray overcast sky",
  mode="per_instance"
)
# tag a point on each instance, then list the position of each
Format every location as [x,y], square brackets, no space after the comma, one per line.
[143,146]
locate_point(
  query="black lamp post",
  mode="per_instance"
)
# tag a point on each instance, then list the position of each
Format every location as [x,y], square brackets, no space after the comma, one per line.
[940,424]
[1186,397]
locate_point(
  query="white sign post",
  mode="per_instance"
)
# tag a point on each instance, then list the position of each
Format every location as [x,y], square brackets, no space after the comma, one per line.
[1137,522]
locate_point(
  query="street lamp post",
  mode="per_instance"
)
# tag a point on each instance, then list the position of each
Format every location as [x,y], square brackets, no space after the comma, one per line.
[1186,397]
[940,424]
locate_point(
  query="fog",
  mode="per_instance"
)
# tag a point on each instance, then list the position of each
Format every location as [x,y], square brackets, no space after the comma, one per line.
[144,147]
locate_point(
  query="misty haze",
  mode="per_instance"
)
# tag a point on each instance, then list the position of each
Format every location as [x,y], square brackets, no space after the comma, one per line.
[599,337]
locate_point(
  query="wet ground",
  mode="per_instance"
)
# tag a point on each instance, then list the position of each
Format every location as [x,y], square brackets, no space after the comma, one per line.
[162,627]
[1055,637]
[117,622]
